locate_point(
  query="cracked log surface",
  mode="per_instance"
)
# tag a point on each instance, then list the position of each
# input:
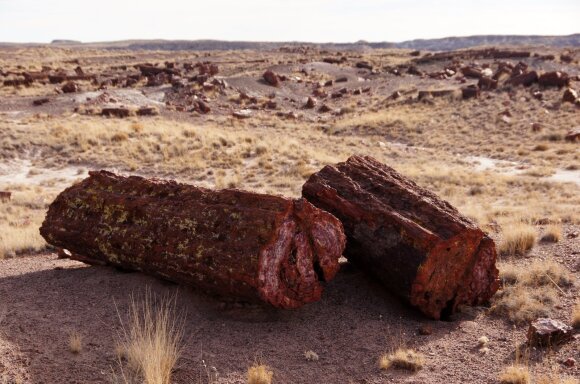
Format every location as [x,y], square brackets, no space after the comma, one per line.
[230,243]
[417,245]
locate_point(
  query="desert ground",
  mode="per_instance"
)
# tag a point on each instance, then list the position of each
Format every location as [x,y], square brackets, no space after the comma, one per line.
[506,155]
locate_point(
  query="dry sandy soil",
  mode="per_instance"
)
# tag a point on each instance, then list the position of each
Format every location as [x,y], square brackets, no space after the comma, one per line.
[481,154]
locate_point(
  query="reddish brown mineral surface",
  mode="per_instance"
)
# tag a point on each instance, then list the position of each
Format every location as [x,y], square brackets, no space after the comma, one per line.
[418,245]
[230,243]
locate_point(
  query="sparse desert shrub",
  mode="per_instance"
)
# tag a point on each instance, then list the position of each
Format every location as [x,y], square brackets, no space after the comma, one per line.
[75,342]
[515,374]
[522,304]
[576,316]
[518,238]
[530,292]
[552,234]
[259,374]
[402,358]
[546,272]
[18,239]
[152,337]
[119,136]
[555,378]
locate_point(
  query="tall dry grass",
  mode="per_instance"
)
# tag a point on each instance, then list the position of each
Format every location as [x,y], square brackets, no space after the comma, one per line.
[151,339]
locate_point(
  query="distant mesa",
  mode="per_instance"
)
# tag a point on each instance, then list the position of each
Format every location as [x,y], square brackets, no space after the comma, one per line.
[63,41]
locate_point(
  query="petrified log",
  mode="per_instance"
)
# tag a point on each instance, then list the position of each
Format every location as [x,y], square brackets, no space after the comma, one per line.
[418,245]
[230,243]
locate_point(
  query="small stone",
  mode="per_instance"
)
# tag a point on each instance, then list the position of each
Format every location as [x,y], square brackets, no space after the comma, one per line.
[570,362]
[425,330]
[271,78]
[310,103]
[548,332]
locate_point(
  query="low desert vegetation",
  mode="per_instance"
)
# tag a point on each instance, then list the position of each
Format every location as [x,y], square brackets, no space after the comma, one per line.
[75,342]
[552,233]
[518,238]
[151,339]
[259,374]
[532,291]
[402,358]
[20,218]
[515,374]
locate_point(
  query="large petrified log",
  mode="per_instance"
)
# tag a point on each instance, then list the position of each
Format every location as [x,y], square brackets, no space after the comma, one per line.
[230,243]
[418,245]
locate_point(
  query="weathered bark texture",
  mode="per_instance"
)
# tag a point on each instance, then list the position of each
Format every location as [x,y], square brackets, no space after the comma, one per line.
[230,243]
[418,245]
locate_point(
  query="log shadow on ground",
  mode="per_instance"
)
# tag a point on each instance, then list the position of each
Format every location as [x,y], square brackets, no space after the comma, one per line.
[354,323]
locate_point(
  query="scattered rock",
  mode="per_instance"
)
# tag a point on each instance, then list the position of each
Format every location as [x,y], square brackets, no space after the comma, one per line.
[536,127]
[42,101]
[566,58]
[271,78]
[324,108]
[570,362]
[116,112]
[201,106]
[310,103]
[341,79]
[147,111]
[413,70]
[526,79]
[573,135]
[470,92]
[243,114]
[364,65]
[5,196]
[395,95]
[554,79]
[487,83]
[570,96]
[546,332]
[471,72]
[425,330]
[70,87]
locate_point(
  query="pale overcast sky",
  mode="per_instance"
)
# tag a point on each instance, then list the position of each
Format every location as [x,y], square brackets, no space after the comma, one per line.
[281,20]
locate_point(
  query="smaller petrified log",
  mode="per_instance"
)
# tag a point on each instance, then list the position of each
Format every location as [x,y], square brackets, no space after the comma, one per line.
[546,332]
[418,245]
[526,79]
[554,79]
[230,243]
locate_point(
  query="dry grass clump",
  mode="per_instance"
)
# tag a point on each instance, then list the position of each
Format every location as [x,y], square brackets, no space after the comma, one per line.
[75,342]
[576,316]
[515,374]
[552,234]
[311,356]
[530,292]
[518,238]
[259,374]
[152,339]
[19,221]
[406,359]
